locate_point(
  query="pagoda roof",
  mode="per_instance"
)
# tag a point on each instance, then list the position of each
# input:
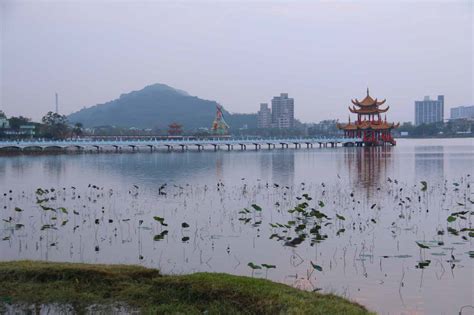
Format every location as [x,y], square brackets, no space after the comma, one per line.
[368,111]
[364,125]
[368,101]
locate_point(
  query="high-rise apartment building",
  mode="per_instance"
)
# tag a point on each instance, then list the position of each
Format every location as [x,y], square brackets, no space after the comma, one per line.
[462,112]
[264,116]
[429,111]
[283,111]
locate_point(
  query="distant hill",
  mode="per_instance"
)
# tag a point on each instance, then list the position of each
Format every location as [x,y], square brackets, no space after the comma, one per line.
[156,106]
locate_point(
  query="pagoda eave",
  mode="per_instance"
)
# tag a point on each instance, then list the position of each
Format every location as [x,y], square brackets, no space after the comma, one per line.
[367,111]
[368,126]
[367,102]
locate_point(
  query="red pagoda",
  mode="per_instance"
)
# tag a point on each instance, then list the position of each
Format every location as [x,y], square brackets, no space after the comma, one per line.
[175,129]
[369,125]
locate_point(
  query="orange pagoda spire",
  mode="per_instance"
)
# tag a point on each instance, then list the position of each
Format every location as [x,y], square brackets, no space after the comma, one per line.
[369,125]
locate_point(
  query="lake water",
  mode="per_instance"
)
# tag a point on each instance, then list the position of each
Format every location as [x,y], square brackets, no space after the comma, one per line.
[361,213]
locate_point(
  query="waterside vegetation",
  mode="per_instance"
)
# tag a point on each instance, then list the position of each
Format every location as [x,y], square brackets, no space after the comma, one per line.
[81,285]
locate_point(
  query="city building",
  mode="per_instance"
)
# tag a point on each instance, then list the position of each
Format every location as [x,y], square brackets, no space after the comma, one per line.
[28,130]
[429,111]
[283,111]
[264,116]
[461,112]
[369,125]
[23,131]
[4,123]
[283,121]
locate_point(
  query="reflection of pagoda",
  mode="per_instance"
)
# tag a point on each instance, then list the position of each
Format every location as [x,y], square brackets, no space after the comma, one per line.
[368,168]
[369,125]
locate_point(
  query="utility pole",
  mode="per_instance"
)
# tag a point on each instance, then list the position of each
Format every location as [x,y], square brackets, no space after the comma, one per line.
[57,104]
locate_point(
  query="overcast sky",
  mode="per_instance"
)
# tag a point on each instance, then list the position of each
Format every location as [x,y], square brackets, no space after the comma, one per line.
[238,53]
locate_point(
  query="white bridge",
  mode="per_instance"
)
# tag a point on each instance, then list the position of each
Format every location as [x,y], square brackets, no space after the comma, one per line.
[171,144]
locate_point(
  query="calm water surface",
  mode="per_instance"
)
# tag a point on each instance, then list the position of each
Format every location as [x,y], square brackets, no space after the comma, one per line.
[367,252]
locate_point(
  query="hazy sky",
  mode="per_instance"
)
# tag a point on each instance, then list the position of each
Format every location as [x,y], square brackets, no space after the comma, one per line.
[238,53]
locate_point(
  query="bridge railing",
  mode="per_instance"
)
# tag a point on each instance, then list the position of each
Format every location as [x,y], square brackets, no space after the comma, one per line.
[246,140]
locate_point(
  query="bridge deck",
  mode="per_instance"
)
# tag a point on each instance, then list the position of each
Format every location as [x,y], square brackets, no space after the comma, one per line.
[181,143]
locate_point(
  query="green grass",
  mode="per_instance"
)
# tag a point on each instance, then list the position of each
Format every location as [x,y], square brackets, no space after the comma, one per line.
[82,285]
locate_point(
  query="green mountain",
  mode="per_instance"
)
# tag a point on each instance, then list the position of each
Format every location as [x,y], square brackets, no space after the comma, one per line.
[156,106]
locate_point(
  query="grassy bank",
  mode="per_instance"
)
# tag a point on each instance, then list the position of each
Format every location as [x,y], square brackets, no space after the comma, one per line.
[81,285]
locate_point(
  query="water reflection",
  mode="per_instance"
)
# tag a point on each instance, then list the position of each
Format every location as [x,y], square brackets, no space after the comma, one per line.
[265,165]
[55,166]
[283,168]
[368,168]
[429,162]
[365,256]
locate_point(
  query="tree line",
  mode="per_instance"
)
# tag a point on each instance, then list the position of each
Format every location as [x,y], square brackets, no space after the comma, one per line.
[52,126]
[451,128]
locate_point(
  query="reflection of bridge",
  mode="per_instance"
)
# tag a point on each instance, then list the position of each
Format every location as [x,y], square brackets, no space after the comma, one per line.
[183,144]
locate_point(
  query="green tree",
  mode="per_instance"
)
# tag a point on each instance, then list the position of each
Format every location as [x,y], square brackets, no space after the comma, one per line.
[428,130]
[16,122]
[77,130]
[55,126]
